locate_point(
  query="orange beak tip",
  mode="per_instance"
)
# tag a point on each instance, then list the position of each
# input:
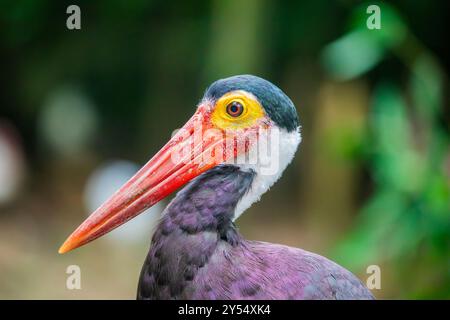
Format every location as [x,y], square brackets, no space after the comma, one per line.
[65,247]
[62,250]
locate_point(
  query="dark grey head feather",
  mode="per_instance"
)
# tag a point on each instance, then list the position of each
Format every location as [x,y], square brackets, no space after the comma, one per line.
[275,102]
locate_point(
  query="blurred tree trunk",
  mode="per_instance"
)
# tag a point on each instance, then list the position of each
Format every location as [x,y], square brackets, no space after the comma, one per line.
[238,38]
[332,182]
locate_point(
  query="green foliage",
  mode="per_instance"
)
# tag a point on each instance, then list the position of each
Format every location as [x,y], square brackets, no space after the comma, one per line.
[406,222]
[362,49]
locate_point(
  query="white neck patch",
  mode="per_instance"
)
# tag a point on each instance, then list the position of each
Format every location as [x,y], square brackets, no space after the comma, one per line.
[268,169]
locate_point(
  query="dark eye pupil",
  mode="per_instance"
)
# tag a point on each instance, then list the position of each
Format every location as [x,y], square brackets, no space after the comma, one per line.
[235,109]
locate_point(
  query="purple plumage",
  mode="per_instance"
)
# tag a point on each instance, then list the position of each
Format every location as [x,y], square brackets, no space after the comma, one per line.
[197,253]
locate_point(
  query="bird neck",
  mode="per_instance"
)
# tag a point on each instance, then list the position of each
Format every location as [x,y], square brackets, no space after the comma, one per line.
[275,150]
[208,203]
[197,221]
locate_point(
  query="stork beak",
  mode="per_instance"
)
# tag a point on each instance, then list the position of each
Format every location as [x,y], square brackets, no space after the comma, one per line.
[189,153]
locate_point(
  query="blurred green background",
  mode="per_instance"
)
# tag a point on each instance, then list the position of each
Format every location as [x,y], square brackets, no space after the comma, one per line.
[80,110]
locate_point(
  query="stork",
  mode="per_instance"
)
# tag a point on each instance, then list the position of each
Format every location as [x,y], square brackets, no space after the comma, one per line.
[237,144]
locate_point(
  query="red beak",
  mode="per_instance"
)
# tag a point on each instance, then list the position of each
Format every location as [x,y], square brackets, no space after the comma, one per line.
[189,153]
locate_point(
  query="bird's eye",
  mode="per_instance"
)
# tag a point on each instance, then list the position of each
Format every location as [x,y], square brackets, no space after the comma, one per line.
[235,109]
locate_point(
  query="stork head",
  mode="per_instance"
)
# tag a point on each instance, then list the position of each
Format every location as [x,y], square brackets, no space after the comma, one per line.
[242,120]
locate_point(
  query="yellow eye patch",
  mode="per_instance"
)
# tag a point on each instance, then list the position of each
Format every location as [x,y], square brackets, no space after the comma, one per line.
[250,113]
